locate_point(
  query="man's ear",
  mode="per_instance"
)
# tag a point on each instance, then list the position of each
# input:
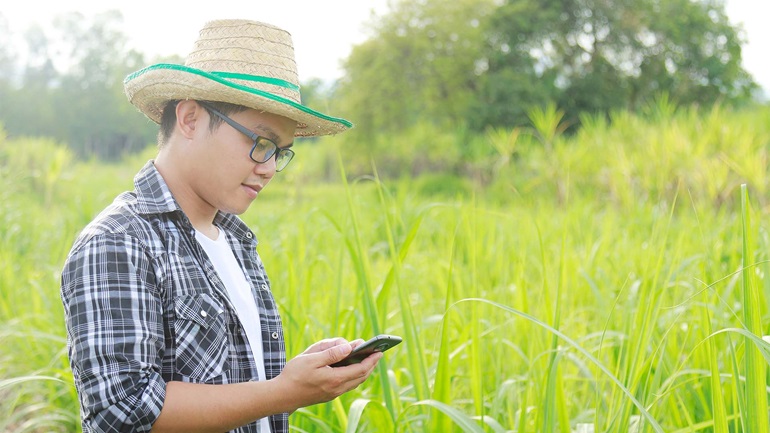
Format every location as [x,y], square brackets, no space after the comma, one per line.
[188,113]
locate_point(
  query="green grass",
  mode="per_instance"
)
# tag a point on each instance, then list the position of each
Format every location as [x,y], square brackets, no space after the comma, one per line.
[616,279]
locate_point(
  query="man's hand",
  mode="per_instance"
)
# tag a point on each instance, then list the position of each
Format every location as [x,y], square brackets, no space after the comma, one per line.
[308,379]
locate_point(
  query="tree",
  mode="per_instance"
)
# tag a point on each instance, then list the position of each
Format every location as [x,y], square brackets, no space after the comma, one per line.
[7,72]
[487,63]
[101,122]
[420,63]
[30,113]
[517,76]
[600,55]
[71,87]
[7,56]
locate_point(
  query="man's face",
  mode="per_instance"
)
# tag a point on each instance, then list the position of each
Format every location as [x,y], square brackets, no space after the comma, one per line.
[222,175]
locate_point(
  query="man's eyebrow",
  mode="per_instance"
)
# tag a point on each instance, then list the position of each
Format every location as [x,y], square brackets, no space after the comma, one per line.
[268,133]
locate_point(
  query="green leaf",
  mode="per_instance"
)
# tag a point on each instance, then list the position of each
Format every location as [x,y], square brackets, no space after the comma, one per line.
[460,419]
[642,410]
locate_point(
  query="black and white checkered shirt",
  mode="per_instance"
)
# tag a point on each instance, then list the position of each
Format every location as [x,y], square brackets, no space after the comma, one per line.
[144,306]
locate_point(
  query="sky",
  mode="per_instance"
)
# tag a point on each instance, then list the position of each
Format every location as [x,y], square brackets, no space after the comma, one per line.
[324,31]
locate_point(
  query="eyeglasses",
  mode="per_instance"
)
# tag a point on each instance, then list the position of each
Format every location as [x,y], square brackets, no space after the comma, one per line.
[263,148]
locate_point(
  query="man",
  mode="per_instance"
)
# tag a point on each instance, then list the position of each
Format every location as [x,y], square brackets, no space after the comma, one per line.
[170,319]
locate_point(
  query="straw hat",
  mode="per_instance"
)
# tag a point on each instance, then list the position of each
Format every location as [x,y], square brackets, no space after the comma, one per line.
[240,62]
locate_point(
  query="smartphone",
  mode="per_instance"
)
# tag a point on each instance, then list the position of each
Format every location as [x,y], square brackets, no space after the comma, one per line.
[379,343]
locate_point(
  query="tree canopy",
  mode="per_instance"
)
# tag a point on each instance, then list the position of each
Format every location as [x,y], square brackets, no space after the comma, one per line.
[460,65]
[71,87]
[486,64]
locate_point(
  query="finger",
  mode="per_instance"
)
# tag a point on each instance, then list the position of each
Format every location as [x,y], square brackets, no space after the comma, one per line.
[357,342]
[325,344]
[338,352]
[330,355]
[363,369]
[371,361]
[360,372]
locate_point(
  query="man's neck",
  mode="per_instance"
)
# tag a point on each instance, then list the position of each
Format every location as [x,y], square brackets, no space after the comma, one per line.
[200,213]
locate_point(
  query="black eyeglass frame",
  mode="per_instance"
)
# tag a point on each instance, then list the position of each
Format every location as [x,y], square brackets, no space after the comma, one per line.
[281,154]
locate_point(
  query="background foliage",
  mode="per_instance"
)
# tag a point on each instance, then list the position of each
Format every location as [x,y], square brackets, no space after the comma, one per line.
[462,67]
[595,283]
[561,206]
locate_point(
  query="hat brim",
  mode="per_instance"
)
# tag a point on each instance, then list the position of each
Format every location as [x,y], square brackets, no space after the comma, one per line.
[151,88]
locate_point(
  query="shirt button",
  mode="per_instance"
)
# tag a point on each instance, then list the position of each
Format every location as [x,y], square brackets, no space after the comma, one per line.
[249,235]
[203,313]
[274,335]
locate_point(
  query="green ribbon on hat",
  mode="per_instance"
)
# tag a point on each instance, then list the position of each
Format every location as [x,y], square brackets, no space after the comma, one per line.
[223,78]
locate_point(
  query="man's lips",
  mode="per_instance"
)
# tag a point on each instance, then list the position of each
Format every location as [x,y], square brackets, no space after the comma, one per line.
[252,190]
[255,187]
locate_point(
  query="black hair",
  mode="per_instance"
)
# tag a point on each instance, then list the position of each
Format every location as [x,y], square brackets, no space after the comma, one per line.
[168,118]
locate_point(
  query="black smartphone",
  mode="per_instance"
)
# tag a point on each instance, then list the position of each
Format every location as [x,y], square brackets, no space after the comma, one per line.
[379,343]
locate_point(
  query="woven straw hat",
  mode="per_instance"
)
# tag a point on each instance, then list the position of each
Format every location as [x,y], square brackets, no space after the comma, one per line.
[240,62]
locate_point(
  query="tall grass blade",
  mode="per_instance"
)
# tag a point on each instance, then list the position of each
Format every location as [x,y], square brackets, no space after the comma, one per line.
[642,410]
[443,378]
[460,419]
[339,412]
[706,426]
[755,366]
[475,354]
[358,255]
[547,122]
[740,396]
[14,381]
[412,337]
[717,399]
[761,346]
[319,423]
[555,405]
[384,295]
[384,421]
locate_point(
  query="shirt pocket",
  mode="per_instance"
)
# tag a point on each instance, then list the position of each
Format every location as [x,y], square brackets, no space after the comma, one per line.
[201,339]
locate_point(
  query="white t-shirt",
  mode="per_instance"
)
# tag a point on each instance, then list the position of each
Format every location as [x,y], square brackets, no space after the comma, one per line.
[239,291]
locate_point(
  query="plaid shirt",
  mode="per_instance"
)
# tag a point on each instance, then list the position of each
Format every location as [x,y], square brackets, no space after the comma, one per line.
[144,306]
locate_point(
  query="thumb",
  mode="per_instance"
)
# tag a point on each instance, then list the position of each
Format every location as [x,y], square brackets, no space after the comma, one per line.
[337,353]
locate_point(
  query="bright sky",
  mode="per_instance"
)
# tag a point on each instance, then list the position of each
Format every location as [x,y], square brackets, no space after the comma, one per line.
[323,31]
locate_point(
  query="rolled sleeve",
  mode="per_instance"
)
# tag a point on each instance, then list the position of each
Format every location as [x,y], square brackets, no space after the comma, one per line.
[115,333]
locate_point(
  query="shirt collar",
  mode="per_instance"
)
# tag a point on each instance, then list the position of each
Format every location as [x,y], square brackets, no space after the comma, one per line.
[154,197]
[152,193]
